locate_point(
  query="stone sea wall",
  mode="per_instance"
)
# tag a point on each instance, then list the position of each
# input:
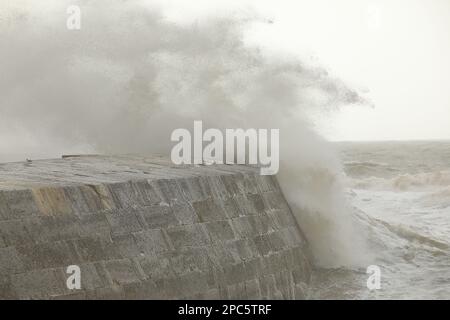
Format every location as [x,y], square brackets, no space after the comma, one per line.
[140,228]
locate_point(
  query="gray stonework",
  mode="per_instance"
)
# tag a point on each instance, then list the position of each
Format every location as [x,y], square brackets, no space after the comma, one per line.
[143,228]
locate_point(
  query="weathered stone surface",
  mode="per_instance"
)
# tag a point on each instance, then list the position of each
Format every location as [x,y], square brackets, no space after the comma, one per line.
[93,276]
[220,230]
[10,262]
[48,255]
[96,249]
[143,228]
[6,290]
[208,210]
[156,267]
[123,222]
[95,225]
[17,204]
[189,260]
[57,228]
[189,236]
[122,271]
[38,284]
[158,216]
[15,232]
[151,241]
[184,212]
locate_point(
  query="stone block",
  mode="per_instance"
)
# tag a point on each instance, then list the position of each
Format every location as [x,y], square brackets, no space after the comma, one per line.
[156,267]
[6,289]
[254,268]
[57,228]
[158,216]
[266,183]
[184,212]
[262,245]
[96,249]
[209,210]
[275,201]
[249,183]
[108,293]
[126,246]
[243,248]
[148,194]
[221,255]
[93,276]
[299,276]
[76,199]
[17,204]
[232,208]
[95,226]
[268,287]
[188,236]
[144,290]
[243,227]
[123,195]
[186,285]
[122,271]
[15,232]
[218,189]
[211,294]
[134,194]
[246,206]
[99,193]
[192,189]
[235,273]
[284,284]
[276,240]
[39,284]
[257,203]
[151,241]
[10,262]
[282,218]
[123,222]
[52,201]
[48,255]
[191,259]
[237,291]
[229,182]
[76,295]
[206,187]
[252,289]
[300,291]
[220,230]
[168,190]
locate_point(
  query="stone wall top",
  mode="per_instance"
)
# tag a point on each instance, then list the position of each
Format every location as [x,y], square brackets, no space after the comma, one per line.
[100,169]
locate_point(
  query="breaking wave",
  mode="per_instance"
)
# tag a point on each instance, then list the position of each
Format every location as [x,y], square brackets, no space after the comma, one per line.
[404,182]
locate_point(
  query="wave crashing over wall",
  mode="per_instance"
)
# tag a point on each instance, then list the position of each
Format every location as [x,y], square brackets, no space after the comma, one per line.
[129,77]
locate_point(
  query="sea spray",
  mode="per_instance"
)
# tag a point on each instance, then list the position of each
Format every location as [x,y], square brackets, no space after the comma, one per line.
[129,77]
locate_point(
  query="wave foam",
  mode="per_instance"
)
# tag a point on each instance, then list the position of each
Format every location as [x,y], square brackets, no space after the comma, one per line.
[403,182]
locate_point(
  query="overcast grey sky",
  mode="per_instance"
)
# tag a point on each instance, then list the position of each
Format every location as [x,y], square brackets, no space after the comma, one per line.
[398,50]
